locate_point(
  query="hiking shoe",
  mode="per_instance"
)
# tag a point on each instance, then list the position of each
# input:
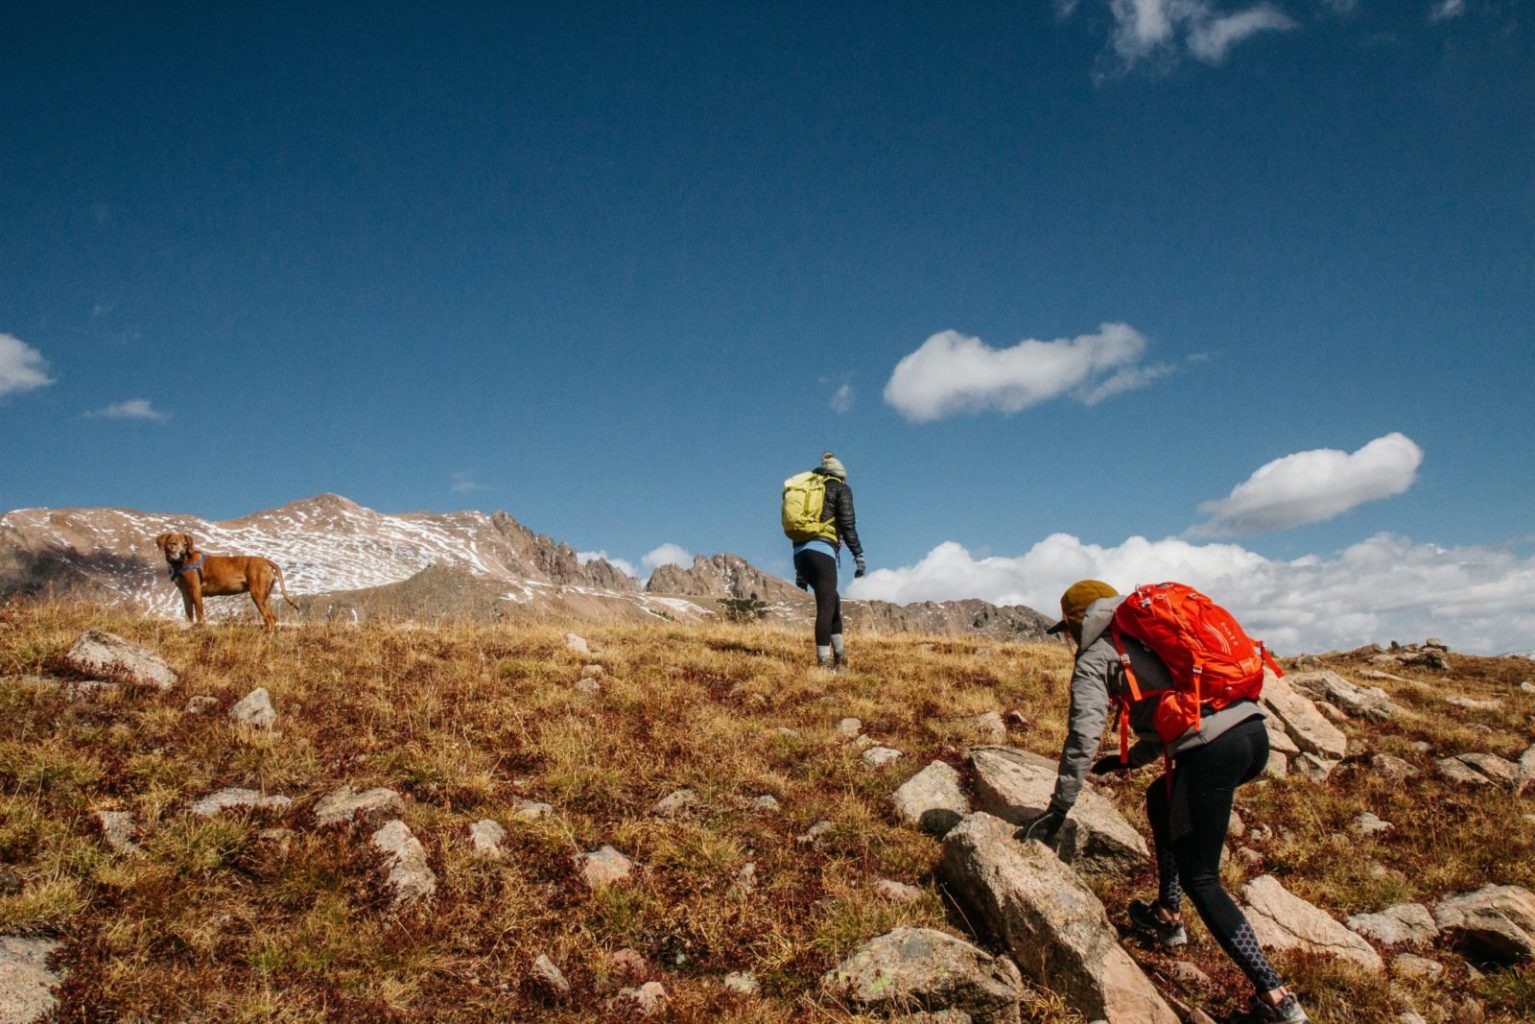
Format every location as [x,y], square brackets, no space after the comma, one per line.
[1168,934]
[1260,1011]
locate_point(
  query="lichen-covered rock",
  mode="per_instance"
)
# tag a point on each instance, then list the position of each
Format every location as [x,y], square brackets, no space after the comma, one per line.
[255,710]
[26,983]
[110,658]
[239,799]
[932,799]
[878,757]
[1362,701]
[1403,923]
[339,805]
[1301,720]
[1283,921]
[485,838]
[603,867]
[924,969]
[1496,922]
[410,878]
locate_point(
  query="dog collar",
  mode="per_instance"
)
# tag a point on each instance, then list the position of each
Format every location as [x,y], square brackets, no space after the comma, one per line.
[178,570]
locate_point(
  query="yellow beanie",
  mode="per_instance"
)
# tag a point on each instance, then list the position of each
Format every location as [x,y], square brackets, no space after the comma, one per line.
[1077,599]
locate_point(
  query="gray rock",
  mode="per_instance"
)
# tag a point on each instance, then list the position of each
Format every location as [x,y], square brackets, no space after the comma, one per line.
[746,878]
[767,802]
[675,804]
[1189,974]
[1501,771]
[1527,763]
[742,983]
[117,830]
[1016,786]
[849,728]
[878,757]
[603,867]
[1496,922]
[1472,703]
[987,727]
[338,806]
[647,1000]
[410,877]
[593,671]
[1453,769]
[1406,965]
[238,799]
[109,658]
[933,799]
[1283,921]
[1302,722]
[1362,701]
[201,704]
[814,832]
[1367,824]
[588,687]
[1278,766]
[897,892]
[1403,923]
[255,710]
[530,810]
[924,969]
[577,644]
[485,837]
[1279,740]
[1311,767]
[26,983]
[1049,920]
[1393,768]
[548,977]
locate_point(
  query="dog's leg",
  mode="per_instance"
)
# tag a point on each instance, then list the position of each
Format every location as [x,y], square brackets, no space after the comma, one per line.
[195,589]
[260,591]
[186,601]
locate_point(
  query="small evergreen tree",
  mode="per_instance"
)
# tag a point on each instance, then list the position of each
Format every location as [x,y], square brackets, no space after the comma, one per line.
[744,609]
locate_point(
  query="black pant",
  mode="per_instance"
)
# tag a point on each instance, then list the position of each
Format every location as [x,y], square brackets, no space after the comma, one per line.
[820,570]
[1189,825]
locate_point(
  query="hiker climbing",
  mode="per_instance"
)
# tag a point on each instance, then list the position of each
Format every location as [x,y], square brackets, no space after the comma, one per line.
[1181,674]
[818,518]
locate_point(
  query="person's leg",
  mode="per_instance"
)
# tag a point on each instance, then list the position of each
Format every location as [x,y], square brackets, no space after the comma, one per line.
[838,644]
[820,571]
[1169,889]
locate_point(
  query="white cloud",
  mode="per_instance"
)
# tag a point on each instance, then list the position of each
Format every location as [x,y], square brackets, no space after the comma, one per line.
[842,399]
[133,409]
[1445,10]
[22,367]
[667,554]
[627,568]
[1146,29]
[465,483]
[952,372]
[1477,599]
[1308,487]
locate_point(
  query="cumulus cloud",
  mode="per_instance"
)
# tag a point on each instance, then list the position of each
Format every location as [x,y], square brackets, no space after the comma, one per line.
[952,372]
[667,554]
[1478,599]
[1445,10]
[465,483]
[133,409]
[1164,29]
[1308,487]
[627,568]
[842,399]
[22,367]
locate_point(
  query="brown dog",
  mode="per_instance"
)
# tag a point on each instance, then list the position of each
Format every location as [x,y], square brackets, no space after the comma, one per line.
[199,575]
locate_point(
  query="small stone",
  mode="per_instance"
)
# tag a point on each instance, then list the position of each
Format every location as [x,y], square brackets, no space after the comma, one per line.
[410,877]
[786,732]
[577,644]
[1188,974]
[255,710]
[1260,833]
[1410,1017]
[933,799]
[1393,768]
[767,803]
[548,977]
[742,983]
[1249,858]
[530,810]
[1367,824]
[282,838]
[238,799]
[603,867]
[1311,767]
[592,671]
[588,687]
[485,836]
[878,757]
[987,727]
[1419,968]
[814,832]
[646,1001]
[201,704]
[897,892]
[338,806]
[849,728]
[746,878]
[627,965]
[117,830]
[675,804]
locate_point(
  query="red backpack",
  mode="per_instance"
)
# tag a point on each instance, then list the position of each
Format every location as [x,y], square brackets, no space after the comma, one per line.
[1211,661]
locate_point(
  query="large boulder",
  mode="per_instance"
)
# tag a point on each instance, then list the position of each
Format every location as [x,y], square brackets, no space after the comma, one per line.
[1495,921]
[1302,722]
[110,658]
[932,799]
[1053,925]
[1283,921]
[922,969]
[1361,701]
[1015,785]
[1409,923]
[26,983]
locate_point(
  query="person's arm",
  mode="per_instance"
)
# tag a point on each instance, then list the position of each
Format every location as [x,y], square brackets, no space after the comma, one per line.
[847,522]
[1089,713]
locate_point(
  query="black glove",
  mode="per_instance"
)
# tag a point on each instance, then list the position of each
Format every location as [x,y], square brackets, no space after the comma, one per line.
[1108,765]
[802,583]
[858,567]
[1043,827]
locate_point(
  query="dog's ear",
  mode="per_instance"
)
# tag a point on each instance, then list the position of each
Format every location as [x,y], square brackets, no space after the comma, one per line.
[162,540]
[191,544]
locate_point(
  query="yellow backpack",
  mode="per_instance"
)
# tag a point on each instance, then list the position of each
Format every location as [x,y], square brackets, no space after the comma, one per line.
[804,499]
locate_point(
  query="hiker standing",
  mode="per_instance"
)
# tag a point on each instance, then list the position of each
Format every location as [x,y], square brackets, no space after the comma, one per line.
[1190,806]
[818,518]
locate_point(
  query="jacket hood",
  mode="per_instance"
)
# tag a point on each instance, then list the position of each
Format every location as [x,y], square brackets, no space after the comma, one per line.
[1096,622]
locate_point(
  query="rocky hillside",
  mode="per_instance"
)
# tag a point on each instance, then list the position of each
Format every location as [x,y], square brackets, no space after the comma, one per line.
[344,561]
[398,822]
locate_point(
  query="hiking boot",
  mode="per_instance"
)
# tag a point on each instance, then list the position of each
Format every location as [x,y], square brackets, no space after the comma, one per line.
[1261,1011]
[1168,934]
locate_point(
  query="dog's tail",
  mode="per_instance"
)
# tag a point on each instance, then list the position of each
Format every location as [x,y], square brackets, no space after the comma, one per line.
[277,570]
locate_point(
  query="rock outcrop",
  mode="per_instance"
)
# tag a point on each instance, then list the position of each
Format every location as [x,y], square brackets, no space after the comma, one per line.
[932,799]
[1496,922]
[923,969]
[1301,721]
[1283,921]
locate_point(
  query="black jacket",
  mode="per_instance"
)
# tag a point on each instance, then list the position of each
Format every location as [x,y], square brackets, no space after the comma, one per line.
[839,508]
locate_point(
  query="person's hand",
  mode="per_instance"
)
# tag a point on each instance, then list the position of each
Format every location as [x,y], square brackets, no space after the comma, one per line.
[858,567]
[802,583]
[1108,765]
[1043,827]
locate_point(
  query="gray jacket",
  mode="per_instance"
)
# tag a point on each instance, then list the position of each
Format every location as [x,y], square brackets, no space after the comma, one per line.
[1097,680]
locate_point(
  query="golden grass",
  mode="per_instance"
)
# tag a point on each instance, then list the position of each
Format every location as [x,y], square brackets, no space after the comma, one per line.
[213,921]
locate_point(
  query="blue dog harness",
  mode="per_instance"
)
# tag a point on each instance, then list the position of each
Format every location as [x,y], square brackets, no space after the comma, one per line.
[178,570]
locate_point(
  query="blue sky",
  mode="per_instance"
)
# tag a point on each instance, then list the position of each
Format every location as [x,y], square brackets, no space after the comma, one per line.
[620,269]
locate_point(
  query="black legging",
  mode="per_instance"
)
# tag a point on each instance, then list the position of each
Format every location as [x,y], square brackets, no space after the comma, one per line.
[820,570]
[1189,826]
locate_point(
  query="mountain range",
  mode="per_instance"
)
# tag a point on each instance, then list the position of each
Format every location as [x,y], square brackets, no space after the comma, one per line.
[342,560]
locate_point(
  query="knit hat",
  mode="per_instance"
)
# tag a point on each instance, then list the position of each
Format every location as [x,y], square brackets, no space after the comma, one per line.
[832,466]
[1077,599]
